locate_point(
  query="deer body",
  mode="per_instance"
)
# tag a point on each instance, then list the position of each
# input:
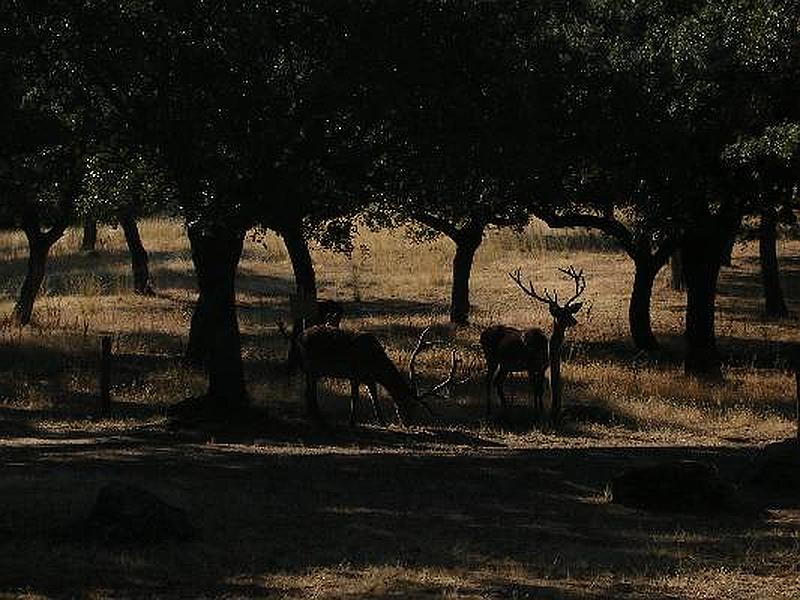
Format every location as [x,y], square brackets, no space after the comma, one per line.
[329,312]
[325,351]
[507,349]
[510,350]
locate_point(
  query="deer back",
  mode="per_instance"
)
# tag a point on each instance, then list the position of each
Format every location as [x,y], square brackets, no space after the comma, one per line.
[341,353]
[515,349]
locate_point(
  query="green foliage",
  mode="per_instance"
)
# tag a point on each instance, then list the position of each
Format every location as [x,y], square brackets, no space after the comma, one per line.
[119,181]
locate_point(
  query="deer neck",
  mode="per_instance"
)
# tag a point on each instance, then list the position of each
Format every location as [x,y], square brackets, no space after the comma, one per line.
[557,336]
[394,382]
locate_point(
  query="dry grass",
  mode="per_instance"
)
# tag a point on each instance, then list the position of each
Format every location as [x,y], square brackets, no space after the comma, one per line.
[456,508]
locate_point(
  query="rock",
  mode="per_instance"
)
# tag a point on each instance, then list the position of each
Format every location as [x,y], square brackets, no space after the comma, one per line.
[588,413]
[776,468]
[127,514]
[684,486]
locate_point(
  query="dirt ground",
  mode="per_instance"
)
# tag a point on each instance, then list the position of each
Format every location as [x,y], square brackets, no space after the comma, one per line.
[455,507]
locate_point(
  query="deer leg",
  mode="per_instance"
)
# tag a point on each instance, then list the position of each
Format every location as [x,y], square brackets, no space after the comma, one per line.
[311,397]
[373,395]
[499,380]
[353,401]
[537,382]
[491,371]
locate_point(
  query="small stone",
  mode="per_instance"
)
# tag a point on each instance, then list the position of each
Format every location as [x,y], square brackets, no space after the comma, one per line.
[684,486]
[776,468]
[127,514]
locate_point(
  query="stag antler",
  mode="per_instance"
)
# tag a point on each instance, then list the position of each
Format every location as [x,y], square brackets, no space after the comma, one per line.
[529,290]
[580,282]
[436,390]
[516,277]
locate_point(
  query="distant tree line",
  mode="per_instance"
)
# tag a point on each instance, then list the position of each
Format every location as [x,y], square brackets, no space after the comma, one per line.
[660,124]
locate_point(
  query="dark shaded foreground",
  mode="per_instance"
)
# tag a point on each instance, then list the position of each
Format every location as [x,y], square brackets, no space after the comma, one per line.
[418,499]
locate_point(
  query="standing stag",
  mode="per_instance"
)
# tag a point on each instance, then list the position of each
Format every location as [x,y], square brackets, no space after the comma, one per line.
[326,351]
[508,350]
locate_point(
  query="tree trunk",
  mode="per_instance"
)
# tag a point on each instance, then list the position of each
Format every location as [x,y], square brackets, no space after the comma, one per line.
[726,260]
[141,272]
[768,256]
[639,307]
[216,254]
[39,248]
[466,246]
[701,255]
[302,266]
[89,241]
[676,280]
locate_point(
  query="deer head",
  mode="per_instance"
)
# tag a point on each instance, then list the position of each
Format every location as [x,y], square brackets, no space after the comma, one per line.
[563,314]
[293,357]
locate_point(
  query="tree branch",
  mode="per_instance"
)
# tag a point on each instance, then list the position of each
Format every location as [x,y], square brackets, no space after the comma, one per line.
[608,225]
[439,224]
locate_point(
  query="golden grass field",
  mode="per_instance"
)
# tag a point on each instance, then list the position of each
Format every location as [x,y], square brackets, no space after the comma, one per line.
[456,507]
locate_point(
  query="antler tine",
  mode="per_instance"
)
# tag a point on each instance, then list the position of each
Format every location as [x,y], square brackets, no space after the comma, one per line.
[440,390]
[516,277]
[421,343]
[580,282]
[444,385]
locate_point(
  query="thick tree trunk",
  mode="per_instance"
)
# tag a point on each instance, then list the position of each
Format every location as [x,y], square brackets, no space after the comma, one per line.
[639,307]
[701,254]
[466,246]
[139,261]
[302,266]
[676,280]
[726,260]
[216,254]
[89,241]
[39,248]
[770,274]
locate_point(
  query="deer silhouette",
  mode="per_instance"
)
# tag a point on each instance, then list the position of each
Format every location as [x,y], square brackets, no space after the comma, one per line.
[508,350]
[326,351]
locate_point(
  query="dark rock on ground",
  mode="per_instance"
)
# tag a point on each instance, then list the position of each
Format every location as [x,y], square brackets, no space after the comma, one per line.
[125,514]
[684,486]
[775,470]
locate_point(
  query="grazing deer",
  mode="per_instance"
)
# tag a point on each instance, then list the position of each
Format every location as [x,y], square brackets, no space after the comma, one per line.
[317,312]
[325,351]
[329,312]
[508,350]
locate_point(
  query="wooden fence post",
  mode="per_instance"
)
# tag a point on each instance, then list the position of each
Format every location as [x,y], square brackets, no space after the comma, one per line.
[105,376]
[797,401]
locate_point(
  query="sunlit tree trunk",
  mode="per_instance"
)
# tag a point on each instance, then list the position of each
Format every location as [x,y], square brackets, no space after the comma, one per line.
[139,260]
[775,304]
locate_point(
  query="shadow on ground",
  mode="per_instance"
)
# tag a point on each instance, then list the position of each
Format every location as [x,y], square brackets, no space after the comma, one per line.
[361,500]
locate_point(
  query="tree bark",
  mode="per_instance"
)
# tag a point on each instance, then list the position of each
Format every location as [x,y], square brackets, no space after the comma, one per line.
[639,307]
[467,243]
[676,280]
[139,261]
[303,267]
[39,244]
[701,252]
[38,248]
[89,241]
[215,254]
[726,259]
[775,304]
